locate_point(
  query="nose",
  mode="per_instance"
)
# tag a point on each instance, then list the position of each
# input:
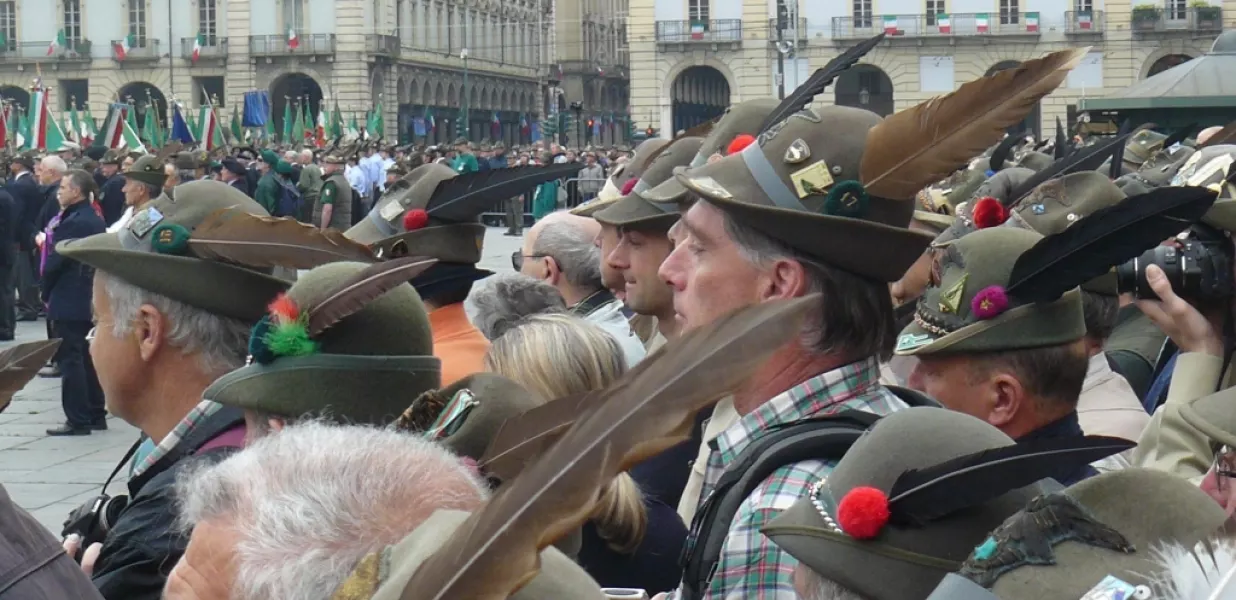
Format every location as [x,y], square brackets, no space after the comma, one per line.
[916,379]
[671,270]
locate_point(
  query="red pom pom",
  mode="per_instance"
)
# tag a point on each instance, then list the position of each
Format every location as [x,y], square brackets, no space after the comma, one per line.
[628,186]
[988,212]
[739,142]
[284,309]
[863,512]
[415,219]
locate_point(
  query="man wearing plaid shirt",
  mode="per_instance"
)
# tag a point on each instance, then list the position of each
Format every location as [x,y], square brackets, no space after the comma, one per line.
[787,217]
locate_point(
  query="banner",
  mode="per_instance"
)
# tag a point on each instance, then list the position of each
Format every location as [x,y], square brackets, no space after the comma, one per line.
[256,110]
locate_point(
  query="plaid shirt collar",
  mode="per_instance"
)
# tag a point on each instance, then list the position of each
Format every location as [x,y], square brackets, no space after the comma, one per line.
[201,412]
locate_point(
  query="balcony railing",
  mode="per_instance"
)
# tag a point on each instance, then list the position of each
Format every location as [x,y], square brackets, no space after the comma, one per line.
[941,25]
[1084,22]
[789,30]
[698,31]
[306,45]
[215,48]
[145,52]
[1191,19]
[15,52]
[382,45]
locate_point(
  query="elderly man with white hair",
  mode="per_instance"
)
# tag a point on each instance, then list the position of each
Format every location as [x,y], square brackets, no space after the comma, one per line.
[293,514]
[309,185]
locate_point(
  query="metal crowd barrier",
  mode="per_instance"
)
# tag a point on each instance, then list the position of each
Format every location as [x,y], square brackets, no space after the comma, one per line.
[496,217]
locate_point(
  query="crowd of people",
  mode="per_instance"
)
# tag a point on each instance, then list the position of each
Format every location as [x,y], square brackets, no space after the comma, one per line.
[797,352]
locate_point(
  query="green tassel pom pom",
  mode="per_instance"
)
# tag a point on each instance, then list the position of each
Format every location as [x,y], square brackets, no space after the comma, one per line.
[290,339]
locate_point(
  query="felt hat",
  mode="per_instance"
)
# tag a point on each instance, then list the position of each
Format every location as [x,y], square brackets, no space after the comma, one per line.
[1069,543]
[383,575]
[335,158]
[186,161]
[97,153]
[148,169]
[466,415]
[153,252]
[397,169]
[966,306]
[1141,146]
[633,210]
[233,165]
[461,141]
[25,159]
[283,167]
[1213,416]
[1002,185]
[1207,168]
[1056,204]
[246,153]
[744,118]
[897,559]
[362,369]
[799,183]
[1035,161]
[269,157]
[617,181]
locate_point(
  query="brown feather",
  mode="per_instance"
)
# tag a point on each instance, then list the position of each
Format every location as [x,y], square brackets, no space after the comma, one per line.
[650,409]
[236,236]
[924,144]
[522,438]
[1227,135]
[701,130]
[168,151]
[19,364]
[419,417]
[366,286]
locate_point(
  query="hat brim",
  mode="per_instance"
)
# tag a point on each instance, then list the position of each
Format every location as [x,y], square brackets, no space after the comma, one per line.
[371,390]
[215,287]
[670,190]
[934,219]
[457,243]
[1213,416]
[590,209]
[633,210]
[1222,214]
[867,248]
[1053,323]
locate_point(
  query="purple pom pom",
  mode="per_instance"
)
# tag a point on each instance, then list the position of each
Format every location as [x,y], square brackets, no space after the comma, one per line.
[989,303]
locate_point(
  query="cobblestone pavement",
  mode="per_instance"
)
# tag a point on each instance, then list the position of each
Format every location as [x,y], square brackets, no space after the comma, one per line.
[51,476]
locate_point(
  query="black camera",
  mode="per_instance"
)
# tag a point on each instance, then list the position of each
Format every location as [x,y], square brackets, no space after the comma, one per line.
[93,520]
[1199,269]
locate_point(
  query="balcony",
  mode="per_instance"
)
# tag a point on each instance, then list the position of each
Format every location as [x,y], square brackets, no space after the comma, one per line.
[956,25]
[16,53]
[790,32]
[316,44]
[147,52]
[693,32]
[1195,19]
[214,49]
[1088,22]
[386,46]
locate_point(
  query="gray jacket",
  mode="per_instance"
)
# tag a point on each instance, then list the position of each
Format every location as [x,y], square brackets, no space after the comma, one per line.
[33,566]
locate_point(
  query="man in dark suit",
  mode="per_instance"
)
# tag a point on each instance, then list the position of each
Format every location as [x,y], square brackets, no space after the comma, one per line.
[8,256]
[248,158]
[235,175]
[28,200]
[111,198]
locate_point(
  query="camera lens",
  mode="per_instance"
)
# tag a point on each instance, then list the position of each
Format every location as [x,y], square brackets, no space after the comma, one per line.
[1131,276]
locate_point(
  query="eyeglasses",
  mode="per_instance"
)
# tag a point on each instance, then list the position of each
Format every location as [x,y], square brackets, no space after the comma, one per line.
[1224,466]
[94,331]
[517,258]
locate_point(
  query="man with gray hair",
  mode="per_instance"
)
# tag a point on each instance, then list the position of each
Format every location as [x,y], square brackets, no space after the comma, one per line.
[292,515]
[309,184]
[168,323]
[502,301]
[560,250]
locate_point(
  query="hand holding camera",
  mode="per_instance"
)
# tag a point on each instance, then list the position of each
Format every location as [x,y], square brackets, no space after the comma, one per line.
[1185,325]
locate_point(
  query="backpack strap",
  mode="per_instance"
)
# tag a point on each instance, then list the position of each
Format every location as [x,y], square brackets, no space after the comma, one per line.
[824,438]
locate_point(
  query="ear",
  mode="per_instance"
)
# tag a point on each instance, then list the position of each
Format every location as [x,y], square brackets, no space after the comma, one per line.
[276,424]
[553,273]
[786,278]
[150,328]
[1010,395]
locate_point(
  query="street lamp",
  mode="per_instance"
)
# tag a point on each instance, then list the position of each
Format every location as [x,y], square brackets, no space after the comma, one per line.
[463,54]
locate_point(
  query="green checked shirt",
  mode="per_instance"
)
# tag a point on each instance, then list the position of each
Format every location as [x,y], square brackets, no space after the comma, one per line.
[751,566]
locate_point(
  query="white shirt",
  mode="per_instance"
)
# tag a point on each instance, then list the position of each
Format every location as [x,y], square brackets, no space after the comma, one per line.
[609,317]
[356,179]
[1108,406]
[122,221]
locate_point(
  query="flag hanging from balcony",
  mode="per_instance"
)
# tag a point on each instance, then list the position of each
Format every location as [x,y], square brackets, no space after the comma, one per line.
[890,24]
[980,22]
[293,41]
[495,127]
[1084,20]
[1032,22]
[198,42]
[944,23]
[57,43]
[256,111]
[121,48]
[697,33]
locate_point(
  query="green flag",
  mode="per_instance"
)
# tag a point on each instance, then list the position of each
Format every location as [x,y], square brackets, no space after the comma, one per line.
[375,124]
[288,121]
[237,133]
[336,123]
[353,129]
[23,129]
[75,125]
[297,133]
[307,122]
[191,122]
[91,127]
[150,129]
[131,118]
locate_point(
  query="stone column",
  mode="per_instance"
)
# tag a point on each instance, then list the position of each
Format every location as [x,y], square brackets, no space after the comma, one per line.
[241,75]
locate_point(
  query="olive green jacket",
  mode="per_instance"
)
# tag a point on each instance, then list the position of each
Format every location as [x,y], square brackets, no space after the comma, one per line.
[1170,443]
[267,193]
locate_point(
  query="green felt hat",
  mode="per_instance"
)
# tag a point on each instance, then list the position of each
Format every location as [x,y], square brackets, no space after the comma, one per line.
[1035,161]
[153,252]
[186,161]
[283,168]
[742,118]
[965,307]
[617,181]
[799,183]
[383,575]
[1109,525]
[633,210]
[148,169]
[1057,204]
[1207,168]
[1213,416]
[466,415]
[899,560]
[1002,185]
[112,157]
[1141,146]
[362,369]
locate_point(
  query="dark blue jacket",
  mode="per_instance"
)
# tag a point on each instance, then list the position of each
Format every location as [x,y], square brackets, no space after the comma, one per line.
[497,162]
[67,283]
[111,199]
[8,225]
[28,198]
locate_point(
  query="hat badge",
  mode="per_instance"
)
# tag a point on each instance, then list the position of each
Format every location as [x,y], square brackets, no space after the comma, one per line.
[798,152]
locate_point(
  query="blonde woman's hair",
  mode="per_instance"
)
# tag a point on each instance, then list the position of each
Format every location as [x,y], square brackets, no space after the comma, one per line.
[558,355]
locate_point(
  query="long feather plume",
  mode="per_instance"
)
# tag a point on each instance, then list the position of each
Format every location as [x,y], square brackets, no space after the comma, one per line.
[1000,155]
[366,286]
[236,236]
[462,199]
[19,364]
[1108,237]
[923,144]
[1086,159]
[801,97]
[525,437]
[1179,135]
[650,409]
[1062,145]
[919,496]
[1227,135]
[1117,164]
[168,151]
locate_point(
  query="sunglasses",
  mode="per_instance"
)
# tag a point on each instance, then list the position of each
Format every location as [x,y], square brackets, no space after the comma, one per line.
[517,258]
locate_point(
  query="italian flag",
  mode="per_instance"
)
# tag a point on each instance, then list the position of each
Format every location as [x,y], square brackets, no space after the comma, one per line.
[293,41]
[122,47]
[57,43]
[1032,22]
[208,132]
[890,24]
[1084,20]
[944,23]
[198,42]
[129,139]
[320,130]
[980,22]
[4,126]
[45,133]
[697,32]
